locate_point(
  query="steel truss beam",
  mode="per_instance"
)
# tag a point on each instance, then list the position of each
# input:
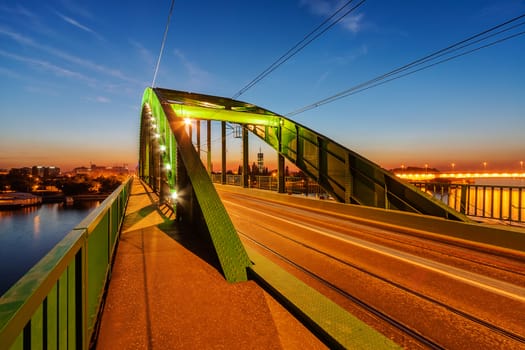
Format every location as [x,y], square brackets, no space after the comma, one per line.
[344,174]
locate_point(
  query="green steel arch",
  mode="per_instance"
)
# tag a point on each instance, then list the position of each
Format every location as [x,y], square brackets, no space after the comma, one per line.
[169,163]
[347,176]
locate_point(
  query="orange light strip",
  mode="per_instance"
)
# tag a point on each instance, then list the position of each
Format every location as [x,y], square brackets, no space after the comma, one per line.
[431,176]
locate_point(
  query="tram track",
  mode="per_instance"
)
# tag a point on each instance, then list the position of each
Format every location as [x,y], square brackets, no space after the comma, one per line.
[376,312]
[327,255]
[368,308]
[405,238]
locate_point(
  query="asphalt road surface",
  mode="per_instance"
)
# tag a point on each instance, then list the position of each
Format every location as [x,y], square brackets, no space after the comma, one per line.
[419,291]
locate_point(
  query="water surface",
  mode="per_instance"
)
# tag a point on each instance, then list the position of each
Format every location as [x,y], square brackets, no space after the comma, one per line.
[27,234]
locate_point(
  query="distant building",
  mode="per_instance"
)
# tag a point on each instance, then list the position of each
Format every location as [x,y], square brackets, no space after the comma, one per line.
[260,161]
[82,170]
[96,171]
[45,171]
[25,171]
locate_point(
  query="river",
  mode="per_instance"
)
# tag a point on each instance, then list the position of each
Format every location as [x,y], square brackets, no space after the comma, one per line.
[28,234]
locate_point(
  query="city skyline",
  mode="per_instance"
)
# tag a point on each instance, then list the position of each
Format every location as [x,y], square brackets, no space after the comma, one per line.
[73,76]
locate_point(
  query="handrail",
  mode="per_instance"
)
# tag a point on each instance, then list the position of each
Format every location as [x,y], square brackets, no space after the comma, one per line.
[56,303]
[498,202]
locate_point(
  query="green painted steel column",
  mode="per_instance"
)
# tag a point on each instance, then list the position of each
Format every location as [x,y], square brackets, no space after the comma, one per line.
[182,184]
[281,173]
[208,144]
[198,137]
[348,180]
[245,165]
[322,164]
[223,151]
[300,148]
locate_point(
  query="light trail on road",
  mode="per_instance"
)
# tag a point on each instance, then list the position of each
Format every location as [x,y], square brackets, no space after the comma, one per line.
[491,284]
[451,300]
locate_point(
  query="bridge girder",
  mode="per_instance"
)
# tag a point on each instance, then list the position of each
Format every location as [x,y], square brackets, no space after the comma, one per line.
[344,174]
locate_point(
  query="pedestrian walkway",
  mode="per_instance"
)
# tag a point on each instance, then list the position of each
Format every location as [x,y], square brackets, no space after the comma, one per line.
[166,292]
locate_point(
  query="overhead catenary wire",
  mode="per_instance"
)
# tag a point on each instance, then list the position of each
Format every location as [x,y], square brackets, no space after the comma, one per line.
[162,44]
[395,74]
[364,88]
[305,41]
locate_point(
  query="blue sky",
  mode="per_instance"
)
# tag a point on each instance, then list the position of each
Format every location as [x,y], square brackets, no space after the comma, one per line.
[72,75]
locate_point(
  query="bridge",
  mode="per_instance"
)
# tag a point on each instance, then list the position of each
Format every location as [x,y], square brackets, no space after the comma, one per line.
[364,270]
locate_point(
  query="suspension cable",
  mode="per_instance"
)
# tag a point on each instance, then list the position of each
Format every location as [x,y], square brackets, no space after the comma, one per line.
[162,45]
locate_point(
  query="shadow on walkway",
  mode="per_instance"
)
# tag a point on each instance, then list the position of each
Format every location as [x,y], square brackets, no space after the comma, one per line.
[166,292]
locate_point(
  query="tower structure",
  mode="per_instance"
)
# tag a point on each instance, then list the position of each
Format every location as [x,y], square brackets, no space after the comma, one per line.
[260,161]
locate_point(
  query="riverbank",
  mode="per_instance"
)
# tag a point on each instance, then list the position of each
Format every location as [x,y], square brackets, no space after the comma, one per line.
[13,200]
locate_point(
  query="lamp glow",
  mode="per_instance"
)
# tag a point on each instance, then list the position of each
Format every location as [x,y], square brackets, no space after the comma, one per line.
[174,195]
[168,166]
[162,148]
[187,121]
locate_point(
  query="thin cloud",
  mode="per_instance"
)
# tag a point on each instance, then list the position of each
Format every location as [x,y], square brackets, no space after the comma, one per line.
[43,90]
[18,10]
[350,56]
[322,79]
[99,99]
[9,73]
[19,38]
[326,8]
[73,7]
[31,19]
[67,57]
[353,23]
[198,77]
[144,53]
[77,24]
[58,71]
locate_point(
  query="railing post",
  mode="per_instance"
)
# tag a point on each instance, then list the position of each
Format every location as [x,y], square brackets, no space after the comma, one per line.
[208,144]
[348,180]
[245,166]
[280,173]
[198,121]
[223,151]
[81,288]
[463,200]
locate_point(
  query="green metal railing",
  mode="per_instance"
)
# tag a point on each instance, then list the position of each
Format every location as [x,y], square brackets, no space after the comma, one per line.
[55,304]
[292,185]
[503,203]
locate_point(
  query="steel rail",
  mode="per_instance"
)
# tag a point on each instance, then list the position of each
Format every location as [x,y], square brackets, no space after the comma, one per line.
[409,331]
[432,238]
[367,307]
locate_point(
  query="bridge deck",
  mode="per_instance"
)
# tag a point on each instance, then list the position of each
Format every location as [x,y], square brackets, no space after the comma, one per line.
[166,292]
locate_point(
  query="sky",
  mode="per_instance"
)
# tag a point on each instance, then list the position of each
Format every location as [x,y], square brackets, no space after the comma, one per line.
[72,75]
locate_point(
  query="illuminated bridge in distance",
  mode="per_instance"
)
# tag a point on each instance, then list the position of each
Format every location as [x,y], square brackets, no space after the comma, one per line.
[458,175]
[383,265]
